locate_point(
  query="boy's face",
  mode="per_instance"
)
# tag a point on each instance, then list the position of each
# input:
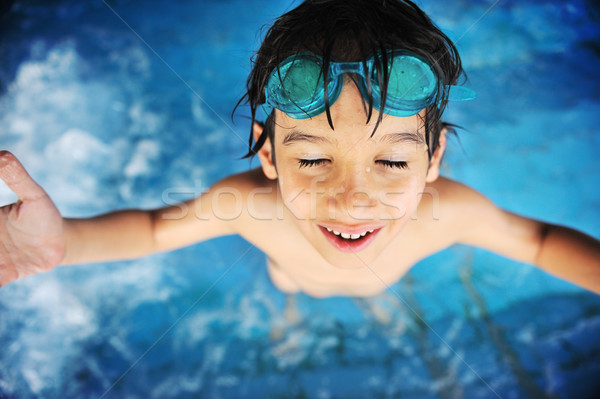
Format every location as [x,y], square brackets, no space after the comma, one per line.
[346,181]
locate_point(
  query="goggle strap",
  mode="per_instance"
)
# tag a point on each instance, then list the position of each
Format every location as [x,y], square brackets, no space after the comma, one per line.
[460,93]
[267,109]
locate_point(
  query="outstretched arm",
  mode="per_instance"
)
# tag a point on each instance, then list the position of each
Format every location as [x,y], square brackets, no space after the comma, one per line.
[120,235]
[571,255]
[560,251]
[35,238]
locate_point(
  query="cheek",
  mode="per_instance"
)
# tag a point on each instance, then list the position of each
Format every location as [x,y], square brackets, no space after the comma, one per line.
[385,197]
[295,193]
[400,200]
[314,199]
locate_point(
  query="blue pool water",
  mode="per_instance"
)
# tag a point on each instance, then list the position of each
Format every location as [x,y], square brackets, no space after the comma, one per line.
[105,118]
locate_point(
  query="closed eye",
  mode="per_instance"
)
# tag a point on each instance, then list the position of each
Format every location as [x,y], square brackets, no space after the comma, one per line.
[393,164]
[303,163]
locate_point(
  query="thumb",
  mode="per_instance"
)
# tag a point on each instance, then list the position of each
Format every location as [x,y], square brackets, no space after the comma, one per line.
[17,179]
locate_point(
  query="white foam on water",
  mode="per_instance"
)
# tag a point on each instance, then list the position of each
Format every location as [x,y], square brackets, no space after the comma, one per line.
[70,128]
[76,145]
[203,116]
[46,101]
[146,152]
[144,122]
[56,321]
[6,195]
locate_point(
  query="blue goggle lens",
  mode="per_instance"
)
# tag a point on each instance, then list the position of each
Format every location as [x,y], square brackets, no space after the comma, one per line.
[296,87]
[412,86]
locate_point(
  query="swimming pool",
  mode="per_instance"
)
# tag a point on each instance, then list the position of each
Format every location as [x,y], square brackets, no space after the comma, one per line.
[131,108]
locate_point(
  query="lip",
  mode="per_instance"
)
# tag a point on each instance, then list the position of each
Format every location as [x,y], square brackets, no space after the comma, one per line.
[342,228]
[344,245]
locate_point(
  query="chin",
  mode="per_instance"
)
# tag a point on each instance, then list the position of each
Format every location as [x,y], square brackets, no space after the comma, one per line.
[349,261]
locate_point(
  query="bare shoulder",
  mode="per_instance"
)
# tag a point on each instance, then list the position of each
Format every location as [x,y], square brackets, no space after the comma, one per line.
[471,218]
[454,210]
[249,184]
[455,192]
[246,181]
[225,208]
[247,194]
[455,202]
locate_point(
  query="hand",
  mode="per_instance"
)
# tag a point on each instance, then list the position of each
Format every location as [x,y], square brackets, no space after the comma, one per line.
[31,230]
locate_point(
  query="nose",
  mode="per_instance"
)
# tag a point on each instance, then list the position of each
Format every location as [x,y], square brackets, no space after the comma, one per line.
[351,193]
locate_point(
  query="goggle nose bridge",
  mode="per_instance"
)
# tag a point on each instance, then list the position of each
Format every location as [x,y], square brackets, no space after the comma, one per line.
[339,68]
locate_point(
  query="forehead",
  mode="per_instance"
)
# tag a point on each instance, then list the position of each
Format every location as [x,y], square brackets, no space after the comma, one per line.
[350,128]
[296,136]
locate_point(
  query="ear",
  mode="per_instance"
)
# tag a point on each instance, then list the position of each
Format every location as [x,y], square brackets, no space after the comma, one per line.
[265,154]
[434,164]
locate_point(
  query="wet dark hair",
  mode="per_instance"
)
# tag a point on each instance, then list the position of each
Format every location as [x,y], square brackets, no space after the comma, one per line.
[353,30]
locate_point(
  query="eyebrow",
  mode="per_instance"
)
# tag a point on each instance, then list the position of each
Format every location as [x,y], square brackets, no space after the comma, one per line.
[404,137]
[296,136]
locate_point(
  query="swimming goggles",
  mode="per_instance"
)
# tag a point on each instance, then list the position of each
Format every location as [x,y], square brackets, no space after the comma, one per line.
[296,86]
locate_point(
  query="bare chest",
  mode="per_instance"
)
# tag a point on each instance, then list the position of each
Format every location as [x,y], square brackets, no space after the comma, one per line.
[294,265]
[314,276]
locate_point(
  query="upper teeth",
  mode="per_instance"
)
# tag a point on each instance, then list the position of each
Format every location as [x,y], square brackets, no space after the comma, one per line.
[348,236]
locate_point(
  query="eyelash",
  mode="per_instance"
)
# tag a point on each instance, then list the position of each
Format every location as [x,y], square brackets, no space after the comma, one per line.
[303,163]
[394,164]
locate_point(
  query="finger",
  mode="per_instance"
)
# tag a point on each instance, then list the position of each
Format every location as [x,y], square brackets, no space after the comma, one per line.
[7,277]
[17,179]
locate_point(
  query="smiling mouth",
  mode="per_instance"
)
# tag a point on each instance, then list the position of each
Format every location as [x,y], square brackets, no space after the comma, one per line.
[348,236]
[350,242]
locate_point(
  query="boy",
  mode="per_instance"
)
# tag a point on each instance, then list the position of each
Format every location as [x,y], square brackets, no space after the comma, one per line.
[348,196]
